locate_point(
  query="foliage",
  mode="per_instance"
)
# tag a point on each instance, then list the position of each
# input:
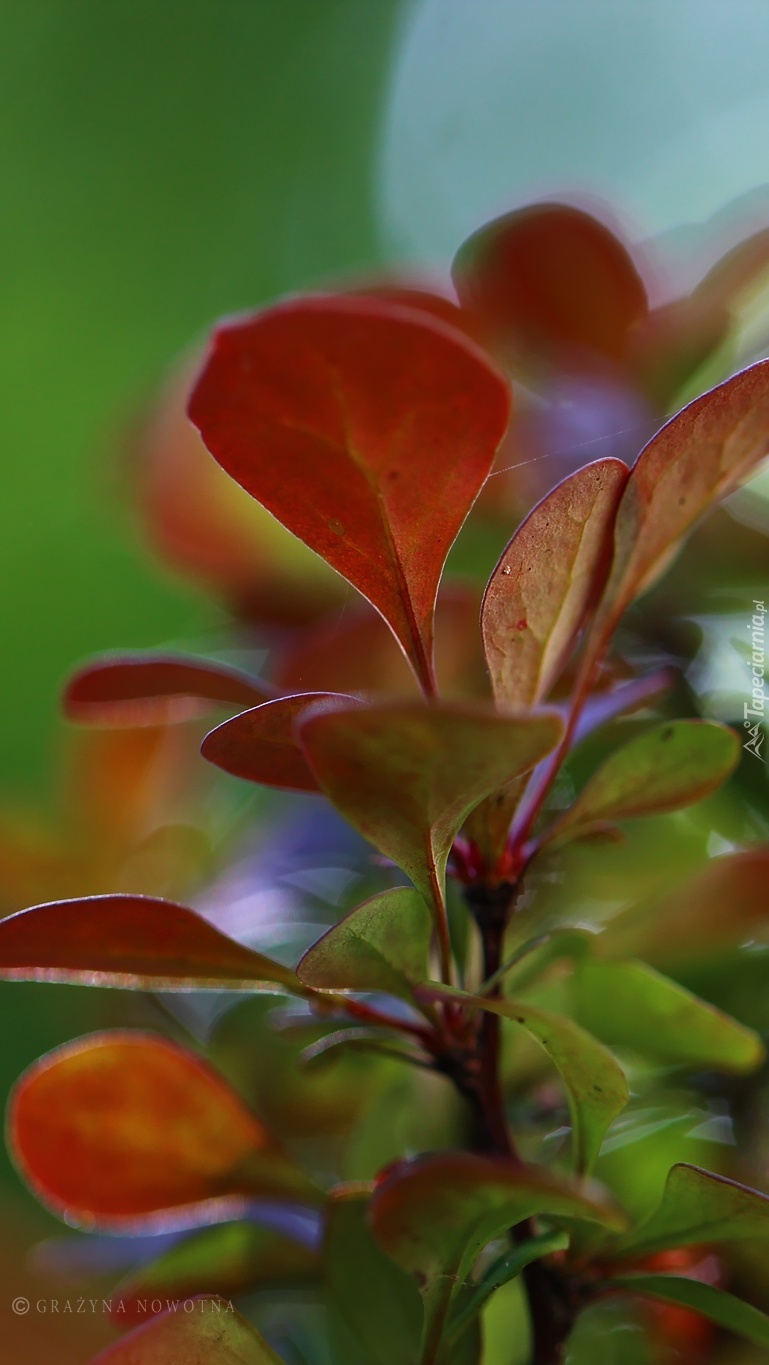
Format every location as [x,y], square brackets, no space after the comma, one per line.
[542,1044]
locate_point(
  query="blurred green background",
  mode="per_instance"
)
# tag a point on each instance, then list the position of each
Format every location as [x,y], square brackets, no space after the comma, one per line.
[162,164]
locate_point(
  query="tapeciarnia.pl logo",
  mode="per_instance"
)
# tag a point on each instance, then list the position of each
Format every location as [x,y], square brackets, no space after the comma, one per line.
[754,711]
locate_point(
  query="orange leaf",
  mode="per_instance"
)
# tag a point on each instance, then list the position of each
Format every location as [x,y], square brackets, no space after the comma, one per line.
[124,1130]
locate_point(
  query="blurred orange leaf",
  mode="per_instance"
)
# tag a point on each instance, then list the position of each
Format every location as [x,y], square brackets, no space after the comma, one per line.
[125,1130]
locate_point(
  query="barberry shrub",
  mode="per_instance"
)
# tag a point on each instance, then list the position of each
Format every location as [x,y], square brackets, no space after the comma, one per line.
[427,1141]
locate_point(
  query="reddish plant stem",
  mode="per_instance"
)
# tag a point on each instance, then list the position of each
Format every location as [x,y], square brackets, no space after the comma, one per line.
[492,907]
[536,796]
[367,1014]
[441,924]
[489,1044]
[550,1308]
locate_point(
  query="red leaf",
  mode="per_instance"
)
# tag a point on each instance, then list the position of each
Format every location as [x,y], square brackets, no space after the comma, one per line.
[365,428]
[260,745]
[135,942]
[553,285]
[207,528]
[125,1130]
[208,1332]
[701,455]
[547,581]
[153,689]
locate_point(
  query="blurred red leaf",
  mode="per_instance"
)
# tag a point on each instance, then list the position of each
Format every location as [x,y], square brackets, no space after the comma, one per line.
[209,1332]
[553,285]
[425,300]
[124,784]
[719,907]
[154,689]
[365,428]
[407,775]
[135,942]
[125,1130]
[548,579]
[261,746]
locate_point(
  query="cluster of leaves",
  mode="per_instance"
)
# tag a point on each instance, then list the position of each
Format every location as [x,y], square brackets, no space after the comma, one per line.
[368,425]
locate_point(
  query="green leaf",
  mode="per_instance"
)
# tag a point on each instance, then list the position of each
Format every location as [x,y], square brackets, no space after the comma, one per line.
[505,1268]
[434,1215]
[211,1334]
[670,766]
[696,1206]
[407,775]
[378,1301]
[382,945]
[232,1258]
[627,1004]
[606,1333]
[724,1309]
[547,581]
[594,1080]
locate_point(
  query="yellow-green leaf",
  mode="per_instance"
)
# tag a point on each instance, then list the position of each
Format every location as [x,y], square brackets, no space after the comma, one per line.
[594,1080]
[630,1005]
[407,775]
[667,767]
[696,1206]
[382,945]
